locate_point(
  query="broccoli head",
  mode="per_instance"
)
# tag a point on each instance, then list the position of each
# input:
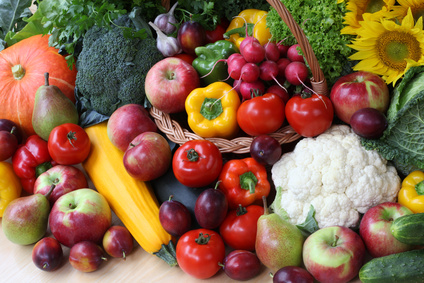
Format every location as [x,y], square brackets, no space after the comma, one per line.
[112,67]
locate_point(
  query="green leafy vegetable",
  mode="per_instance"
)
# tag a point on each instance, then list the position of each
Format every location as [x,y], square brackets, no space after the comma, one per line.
[12,14]
[321,22]
[403,140]
[310,225]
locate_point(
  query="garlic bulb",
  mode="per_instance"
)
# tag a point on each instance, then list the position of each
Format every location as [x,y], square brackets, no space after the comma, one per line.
[166,22]
[167,45]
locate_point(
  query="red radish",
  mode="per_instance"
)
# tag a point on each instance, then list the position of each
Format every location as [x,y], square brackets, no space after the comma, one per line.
[271,51]
[250,72]
[236,86]
[268,70]
[293,53]
[296,73]
[248,90]
[281,92]
[235,64]
[253,51]
[282,64]
[283,49]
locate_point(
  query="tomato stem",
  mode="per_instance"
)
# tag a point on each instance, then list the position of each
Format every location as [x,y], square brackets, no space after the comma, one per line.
[71,137]
[192,155]
[241,210]
[203,240]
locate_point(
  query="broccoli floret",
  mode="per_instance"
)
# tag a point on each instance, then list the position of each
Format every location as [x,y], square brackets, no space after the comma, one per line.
[112,67]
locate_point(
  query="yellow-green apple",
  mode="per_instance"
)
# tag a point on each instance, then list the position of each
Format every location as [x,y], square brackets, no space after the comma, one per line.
[86,256]
[333,254]
[126,123]
[169,82]
[80,215]
[375,229]
[64,178]
[359,90]
[148,156]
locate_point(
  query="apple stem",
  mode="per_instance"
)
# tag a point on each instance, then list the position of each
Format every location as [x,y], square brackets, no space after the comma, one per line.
[336,239]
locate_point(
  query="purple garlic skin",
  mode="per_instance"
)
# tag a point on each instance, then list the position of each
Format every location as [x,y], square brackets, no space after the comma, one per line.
[166,22]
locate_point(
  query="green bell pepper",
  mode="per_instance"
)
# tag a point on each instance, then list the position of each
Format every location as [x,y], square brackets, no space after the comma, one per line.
[208,62]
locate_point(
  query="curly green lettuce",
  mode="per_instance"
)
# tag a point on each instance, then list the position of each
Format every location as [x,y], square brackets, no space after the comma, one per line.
[321,22]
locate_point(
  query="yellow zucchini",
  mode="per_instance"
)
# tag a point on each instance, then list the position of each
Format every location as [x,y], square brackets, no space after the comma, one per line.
[133,201]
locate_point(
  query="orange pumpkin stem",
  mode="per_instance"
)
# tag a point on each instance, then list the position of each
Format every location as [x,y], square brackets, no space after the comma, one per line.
[18,72]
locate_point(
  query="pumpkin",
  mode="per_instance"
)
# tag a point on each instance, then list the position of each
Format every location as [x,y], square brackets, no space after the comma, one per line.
[22,68]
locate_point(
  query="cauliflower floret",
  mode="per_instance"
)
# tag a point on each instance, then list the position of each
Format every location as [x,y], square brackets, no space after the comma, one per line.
[335,174]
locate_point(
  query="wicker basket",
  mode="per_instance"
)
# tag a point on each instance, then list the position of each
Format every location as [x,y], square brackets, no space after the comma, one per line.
[240,145]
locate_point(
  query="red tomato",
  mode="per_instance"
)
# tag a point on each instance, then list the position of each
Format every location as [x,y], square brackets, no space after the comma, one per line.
[197,163]
[310,116]
[186,57]
[199,252]
[261,115]
[68,144]
[238,230]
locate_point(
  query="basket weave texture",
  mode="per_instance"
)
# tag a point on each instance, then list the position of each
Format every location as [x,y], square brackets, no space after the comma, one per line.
[240,145]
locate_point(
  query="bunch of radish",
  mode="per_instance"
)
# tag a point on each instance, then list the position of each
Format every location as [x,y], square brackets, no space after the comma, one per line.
[258,68]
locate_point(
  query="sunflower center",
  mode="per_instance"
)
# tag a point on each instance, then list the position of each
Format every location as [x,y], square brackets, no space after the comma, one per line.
[394,47]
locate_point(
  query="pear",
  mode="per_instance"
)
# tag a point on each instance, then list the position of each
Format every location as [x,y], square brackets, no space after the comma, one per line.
[25,219]
[51,108]
[278,242]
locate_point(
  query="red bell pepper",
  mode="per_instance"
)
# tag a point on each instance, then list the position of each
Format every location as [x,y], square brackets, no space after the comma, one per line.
[244,181]
[30,160]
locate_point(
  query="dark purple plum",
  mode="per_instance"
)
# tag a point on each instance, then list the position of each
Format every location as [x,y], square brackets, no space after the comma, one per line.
[292,274]
[174,217]
[118,242]
[86,256]
[211,208]
[190,35]
[47,254]
[7,125]
[265,149]
[241,265]
[368,123]
[8,145]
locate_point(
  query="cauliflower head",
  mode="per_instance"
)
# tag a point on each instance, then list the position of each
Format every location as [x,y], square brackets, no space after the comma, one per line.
[334,173]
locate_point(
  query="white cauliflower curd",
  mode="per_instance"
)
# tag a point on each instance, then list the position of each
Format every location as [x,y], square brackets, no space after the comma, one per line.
[335,174]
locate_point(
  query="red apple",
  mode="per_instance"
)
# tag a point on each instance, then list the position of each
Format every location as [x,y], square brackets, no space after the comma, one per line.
[169,82]
[375,229]
[359,90]
[148,156]
[47,254]
[333,254]
[65,178]
[80,215]
[126,123]
[118,242]
[86,256]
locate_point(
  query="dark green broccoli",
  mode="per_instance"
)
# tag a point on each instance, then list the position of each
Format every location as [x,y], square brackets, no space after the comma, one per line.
[112,67]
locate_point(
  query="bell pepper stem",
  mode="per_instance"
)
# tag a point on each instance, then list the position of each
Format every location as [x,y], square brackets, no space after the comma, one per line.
[248,181]
[420,188]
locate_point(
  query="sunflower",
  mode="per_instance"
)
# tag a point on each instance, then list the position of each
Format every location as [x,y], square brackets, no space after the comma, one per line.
[387,48]
[400,11]
[357,8]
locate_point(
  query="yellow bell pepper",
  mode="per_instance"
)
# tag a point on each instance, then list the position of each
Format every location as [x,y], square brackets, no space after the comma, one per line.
[411,193]
[250,16]
[10,186]
[212,111]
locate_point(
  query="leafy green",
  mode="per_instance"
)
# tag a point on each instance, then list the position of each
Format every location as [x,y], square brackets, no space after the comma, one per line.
[12,14]
[310,225]
[209,13]
[403,140]
[321,21]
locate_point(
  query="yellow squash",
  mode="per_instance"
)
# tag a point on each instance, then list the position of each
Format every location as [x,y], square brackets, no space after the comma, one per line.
[133,201]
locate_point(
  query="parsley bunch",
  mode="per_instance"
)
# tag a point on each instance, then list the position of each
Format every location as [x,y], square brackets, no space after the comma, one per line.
[321,21]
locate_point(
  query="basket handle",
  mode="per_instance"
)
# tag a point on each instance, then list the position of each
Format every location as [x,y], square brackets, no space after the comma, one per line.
[319,84]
